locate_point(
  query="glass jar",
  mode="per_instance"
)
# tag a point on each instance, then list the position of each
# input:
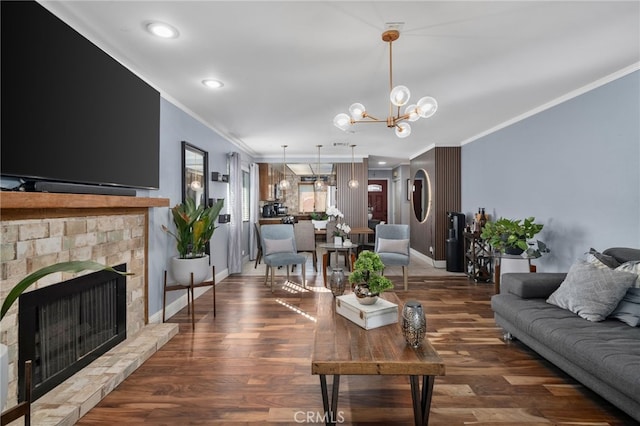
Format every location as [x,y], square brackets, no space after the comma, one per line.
[414,323]
[337,282]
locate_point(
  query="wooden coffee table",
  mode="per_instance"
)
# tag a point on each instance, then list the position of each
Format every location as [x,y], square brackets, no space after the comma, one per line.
[342,347]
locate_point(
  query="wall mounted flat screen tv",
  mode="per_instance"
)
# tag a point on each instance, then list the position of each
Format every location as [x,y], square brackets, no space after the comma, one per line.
[70,112]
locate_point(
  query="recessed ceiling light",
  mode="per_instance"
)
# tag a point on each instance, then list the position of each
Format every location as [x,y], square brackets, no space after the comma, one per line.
[382,163]
[160,29]
[213,84]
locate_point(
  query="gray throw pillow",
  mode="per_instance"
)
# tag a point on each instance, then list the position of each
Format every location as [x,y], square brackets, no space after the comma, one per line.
[628,310]
[393,246]
[278,246]
[591,292]
[632,266]
[606,260]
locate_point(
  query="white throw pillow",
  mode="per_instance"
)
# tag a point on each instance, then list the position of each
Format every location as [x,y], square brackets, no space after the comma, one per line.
[591,292]
[393,246]
[278,246]
[632,266]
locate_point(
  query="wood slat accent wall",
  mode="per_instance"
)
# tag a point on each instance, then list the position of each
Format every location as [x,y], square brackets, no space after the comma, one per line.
[352,202]
[442,164]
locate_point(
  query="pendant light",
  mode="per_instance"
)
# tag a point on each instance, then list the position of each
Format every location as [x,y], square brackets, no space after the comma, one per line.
[353,183]
[284,183]
[319,183]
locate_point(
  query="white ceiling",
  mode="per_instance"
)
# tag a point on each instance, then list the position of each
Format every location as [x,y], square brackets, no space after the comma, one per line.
[289,67]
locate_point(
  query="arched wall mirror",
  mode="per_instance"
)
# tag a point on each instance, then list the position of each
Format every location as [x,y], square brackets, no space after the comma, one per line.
[195,169]
[421,198]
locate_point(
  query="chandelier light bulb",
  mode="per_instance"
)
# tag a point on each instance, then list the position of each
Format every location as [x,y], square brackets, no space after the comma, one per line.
[357,111]
[353,184]
[412,112]
[342,121]
[403,130]
[400,95]
[319,184]
[285,184]
[427,106]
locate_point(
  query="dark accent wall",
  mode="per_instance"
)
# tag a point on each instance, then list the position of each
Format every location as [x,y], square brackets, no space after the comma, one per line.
[442,165]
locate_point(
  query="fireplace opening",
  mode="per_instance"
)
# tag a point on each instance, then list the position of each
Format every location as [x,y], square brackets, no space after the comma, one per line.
[65,326]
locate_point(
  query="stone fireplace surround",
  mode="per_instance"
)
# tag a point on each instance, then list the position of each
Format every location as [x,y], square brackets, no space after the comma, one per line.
[39,229]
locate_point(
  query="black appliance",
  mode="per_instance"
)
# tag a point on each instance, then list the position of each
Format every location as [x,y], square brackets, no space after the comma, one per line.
[268,210]
[280,209]
[455,242]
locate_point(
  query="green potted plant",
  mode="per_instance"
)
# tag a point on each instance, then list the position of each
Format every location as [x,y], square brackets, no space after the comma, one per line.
[194,228]
[514,236]
[319,219]
[367,277]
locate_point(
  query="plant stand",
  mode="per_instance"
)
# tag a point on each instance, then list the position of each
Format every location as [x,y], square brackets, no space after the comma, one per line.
[190,296]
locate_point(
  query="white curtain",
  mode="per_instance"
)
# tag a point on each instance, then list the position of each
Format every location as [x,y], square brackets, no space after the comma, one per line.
[235,209]
[254,213]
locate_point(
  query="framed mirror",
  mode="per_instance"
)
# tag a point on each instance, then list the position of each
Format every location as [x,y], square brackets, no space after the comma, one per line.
[420,196]
[195,169]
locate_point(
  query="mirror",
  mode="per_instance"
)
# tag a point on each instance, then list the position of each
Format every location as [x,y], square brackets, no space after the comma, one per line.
[195,169]
[420,195]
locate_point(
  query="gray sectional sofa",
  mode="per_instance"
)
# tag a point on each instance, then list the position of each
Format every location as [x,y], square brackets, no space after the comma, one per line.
[603,355]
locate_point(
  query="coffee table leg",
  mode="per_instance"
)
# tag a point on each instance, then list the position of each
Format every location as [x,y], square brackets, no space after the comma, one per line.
[421,400]
[330,412]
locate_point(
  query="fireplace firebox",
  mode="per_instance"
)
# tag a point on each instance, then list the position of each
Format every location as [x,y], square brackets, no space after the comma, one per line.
[66,326]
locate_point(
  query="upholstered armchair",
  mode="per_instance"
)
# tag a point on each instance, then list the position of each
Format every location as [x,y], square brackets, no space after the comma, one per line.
[392,244]
[279,249]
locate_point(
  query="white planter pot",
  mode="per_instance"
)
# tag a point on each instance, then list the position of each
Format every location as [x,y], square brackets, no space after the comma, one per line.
[4,374]
[319,224]
[181,269]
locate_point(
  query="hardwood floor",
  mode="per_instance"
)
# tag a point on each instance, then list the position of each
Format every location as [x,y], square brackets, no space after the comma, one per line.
[251,365]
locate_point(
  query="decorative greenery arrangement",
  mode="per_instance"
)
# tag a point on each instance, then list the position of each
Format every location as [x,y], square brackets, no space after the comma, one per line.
[319,216]
[72,266]
[194,227]
[367,269]
[506,234]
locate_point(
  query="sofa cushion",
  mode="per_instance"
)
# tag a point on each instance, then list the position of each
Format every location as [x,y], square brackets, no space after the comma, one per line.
[623,254]
[601,260]
[531,286]
[591,292]
[632,266]
[628,310]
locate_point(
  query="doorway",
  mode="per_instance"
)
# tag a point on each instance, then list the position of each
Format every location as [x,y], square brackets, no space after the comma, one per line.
[377,199]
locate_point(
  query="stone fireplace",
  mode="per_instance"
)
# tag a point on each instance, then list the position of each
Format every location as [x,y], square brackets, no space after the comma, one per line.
[39,229]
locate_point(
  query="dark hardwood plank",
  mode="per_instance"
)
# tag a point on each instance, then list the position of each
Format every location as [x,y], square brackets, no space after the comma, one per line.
[251,364]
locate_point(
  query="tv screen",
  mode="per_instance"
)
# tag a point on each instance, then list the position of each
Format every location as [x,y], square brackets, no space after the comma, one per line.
[70,112]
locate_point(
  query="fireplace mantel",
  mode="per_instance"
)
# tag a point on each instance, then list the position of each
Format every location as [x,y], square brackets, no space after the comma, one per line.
[44,200]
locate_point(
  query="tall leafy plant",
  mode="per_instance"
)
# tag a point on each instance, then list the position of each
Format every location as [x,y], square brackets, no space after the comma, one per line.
[194,227]
[72,266]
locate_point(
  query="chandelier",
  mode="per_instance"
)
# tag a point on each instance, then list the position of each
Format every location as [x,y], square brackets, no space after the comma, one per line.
[284,183]
[353,183]
[398,97]
[319,183]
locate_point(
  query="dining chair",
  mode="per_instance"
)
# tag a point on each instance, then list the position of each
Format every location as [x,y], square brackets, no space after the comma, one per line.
[392,244]
[279,249]
[306,240]
[259,255]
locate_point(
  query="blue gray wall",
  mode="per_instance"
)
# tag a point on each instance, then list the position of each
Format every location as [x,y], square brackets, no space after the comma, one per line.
[175,126]
[575,167]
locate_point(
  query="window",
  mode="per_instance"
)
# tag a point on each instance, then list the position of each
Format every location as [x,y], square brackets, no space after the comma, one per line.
[246,187]
[310,200]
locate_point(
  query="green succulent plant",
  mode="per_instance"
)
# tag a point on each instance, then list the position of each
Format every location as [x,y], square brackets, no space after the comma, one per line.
[367,269]
[194,227]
